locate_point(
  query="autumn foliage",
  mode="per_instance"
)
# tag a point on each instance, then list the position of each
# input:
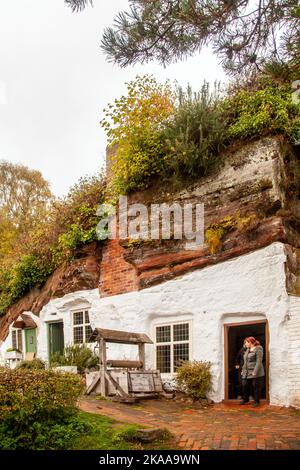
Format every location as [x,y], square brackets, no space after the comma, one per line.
[134,125]
[160,131]
[51,240]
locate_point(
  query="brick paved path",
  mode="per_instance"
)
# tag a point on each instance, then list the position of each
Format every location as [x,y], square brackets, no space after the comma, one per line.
[219,426]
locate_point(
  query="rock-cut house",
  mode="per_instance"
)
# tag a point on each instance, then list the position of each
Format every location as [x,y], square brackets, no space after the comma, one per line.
[194,304]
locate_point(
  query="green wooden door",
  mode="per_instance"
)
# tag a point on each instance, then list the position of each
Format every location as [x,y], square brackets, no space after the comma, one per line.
[56,338]
[30,340]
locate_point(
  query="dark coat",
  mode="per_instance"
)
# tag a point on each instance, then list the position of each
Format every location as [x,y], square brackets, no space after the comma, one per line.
[240,357]
[253,363]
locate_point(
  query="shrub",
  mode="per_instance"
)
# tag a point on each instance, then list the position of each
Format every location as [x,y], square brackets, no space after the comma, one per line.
[70,240]
[195,135]
[194,378]
[133,125]
[37,392]
[36,364]
[78,355]
[37,408]
[76,219]
[180,135]
[19,275]
[264,111]
[29,271]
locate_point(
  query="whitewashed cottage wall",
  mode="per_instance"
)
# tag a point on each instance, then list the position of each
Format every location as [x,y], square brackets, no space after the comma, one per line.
[294,351]
[250,287]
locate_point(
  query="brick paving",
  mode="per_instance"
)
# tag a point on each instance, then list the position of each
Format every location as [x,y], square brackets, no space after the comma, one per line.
[220,426]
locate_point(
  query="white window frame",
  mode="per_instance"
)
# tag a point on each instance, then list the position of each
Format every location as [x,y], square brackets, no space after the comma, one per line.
[17,338]
[83,325]
[172,343]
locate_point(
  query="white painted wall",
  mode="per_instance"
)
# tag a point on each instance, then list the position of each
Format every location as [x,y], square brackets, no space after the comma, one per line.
[251,287]
[294,352]
[4,345]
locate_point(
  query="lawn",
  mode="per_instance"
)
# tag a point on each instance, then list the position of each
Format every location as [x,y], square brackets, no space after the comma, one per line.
[106,434]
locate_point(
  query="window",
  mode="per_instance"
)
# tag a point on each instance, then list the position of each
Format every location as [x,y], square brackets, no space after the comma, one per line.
[172,346]
[17,340]
[81,327]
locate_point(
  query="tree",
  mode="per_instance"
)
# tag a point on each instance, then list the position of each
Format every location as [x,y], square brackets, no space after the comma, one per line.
[8,235]
[24,194]
[243,33]
[134,125]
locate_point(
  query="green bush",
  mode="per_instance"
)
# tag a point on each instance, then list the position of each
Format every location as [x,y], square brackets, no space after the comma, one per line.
[38,408]
[19,277]
[195,135]
[264,111]
[78,355]
[157,132]
[68,242]
[36,364]
[194,378]
[27,273]
[44,435]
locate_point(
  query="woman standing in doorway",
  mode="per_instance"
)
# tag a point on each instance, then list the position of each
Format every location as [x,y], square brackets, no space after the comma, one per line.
[253,370]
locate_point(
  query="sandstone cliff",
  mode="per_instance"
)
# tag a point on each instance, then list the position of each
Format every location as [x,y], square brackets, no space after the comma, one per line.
[252,201]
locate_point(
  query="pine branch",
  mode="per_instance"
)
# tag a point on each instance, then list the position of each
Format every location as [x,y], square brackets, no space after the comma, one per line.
[78,5]
[242,32]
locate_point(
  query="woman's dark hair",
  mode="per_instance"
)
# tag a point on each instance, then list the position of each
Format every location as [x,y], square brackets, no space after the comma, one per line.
[252,341]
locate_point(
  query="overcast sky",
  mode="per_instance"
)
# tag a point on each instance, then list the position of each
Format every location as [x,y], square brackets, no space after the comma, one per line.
[55,82]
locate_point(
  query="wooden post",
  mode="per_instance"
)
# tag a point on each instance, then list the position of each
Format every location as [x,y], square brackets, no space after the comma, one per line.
[103,367]
[142,355]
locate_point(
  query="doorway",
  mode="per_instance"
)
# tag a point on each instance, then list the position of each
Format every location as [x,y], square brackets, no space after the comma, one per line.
[235,333]
[55,338]
[30,340]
